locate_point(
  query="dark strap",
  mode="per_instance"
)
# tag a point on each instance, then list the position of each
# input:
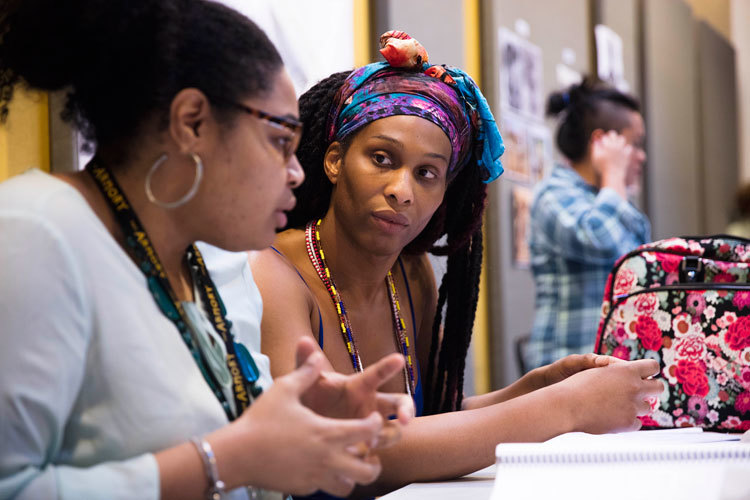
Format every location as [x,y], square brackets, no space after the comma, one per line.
[411,303]
[417,396]
[320,316]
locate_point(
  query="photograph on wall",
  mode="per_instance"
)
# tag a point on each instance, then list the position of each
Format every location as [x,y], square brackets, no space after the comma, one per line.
[610,65]
[521,199]
[539,142]
[516,156]
[521,75]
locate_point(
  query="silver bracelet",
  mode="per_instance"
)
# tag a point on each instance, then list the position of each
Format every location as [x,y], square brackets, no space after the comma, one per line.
[215,485]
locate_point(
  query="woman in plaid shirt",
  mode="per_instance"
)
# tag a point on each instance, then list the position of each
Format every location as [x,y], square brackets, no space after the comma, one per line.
[581,216]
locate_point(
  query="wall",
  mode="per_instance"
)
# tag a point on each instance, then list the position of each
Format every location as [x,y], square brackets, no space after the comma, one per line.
[24,137]
[674,199]
[740,20]
[717,88]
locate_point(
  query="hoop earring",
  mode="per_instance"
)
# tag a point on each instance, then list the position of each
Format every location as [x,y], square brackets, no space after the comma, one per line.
[188,196]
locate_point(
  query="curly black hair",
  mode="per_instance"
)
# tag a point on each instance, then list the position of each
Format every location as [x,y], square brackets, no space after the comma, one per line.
[458,219]
[585,107]
[122,62]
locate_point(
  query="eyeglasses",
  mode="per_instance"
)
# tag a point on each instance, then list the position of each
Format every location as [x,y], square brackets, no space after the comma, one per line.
[280,122]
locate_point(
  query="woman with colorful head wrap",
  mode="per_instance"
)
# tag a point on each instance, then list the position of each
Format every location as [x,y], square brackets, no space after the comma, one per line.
[397,157]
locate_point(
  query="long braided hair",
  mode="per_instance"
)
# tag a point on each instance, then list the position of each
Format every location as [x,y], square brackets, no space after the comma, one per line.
[458,219]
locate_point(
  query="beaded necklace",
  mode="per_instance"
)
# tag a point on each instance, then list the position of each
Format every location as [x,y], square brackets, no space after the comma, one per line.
[317,258]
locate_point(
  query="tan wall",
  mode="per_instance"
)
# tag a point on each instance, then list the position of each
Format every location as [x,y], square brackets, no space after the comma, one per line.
[741,39]
[731,18]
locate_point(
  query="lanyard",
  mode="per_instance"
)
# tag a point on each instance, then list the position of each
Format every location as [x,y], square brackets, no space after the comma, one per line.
[242,368]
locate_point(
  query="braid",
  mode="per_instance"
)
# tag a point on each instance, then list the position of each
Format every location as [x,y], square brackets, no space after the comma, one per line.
[430,396]
[314,195]
[459,218]
[474,270]
[461,221]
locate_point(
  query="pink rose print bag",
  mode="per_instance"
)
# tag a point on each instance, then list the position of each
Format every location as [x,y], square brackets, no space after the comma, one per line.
[685,302]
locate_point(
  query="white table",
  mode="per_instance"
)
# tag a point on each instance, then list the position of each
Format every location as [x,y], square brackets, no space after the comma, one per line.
[476,486]
[729,483]
[621,480]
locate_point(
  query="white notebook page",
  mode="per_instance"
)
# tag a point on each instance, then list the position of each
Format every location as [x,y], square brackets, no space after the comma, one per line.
[579,466]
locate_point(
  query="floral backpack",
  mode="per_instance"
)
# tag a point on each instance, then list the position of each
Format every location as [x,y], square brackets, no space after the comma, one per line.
[685,302]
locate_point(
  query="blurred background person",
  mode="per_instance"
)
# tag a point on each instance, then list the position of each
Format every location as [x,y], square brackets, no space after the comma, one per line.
[581,218]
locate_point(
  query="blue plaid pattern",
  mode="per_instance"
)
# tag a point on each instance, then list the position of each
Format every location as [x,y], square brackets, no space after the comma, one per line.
[576,235]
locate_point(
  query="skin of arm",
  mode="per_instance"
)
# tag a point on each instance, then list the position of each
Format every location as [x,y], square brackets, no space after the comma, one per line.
[452,444]
[420,273]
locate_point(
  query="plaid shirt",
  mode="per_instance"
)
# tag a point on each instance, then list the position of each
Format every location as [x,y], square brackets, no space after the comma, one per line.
[576,235]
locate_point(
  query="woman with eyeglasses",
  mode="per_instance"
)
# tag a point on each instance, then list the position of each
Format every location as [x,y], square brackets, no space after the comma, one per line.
[120,373]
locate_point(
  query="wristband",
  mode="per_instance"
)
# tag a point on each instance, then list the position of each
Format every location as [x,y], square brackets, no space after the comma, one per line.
[215,485]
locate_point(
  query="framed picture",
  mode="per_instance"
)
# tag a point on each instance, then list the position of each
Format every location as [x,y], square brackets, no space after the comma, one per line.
[521,75]
[516,157]
[521,198]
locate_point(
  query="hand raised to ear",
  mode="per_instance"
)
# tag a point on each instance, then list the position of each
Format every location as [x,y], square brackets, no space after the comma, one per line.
[610,158]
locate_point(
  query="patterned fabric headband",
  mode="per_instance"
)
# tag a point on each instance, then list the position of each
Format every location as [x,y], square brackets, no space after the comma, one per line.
[406,84]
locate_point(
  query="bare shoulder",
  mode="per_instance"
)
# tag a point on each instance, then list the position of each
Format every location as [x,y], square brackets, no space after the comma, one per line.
[275,271]
[287,302]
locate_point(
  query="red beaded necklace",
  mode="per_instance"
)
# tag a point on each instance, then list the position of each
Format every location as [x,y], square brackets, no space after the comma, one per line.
[317,258]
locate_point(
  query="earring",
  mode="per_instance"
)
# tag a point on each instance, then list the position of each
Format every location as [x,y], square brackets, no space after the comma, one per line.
[188,196]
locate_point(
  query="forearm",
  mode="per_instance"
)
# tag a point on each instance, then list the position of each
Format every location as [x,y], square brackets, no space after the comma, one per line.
[454,444]
[526,384]
[182,473]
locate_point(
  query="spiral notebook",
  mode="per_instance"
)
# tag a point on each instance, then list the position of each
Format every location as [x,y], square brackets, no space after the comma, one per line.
[664,464]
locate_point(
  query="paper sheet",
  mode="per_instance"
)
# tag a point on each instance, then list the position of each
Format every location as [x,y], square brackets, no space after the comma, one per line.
[618,480]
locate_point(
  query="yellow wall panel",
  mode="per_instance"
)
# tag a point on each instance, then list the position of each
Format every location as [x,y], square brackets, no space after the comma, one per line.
[362,38]
[24,137]
[717,13]
[481,334]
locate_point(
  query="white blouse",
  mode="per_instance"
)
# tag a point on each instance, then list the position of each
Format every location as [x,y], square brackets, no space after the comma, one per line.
[93,377]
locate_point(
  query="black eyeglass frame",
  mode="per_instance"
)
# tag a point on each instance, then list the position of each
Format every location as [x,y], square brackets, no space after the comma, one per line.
[286,122]
[295,126]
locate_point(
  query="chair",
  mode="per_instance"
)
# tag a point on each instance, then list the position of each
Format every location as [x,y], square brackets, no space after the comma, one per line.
[521,342]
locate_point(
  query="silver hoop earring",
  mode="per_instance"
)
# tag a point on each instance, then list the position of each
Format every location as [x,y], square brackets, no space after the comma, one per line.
[188,196]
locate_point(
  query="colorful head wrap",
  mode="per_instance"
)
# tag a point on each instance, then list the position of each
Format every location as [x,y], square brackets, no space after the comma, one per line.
[406,84]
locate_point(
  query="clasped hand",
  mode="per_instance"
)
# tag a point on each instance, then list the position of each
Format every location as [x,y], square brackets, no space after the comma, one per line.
[328,422]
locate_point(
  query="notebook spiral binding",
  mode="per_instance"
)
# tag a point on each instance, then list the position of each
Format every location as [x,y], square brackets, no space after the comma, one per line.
[658,454]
